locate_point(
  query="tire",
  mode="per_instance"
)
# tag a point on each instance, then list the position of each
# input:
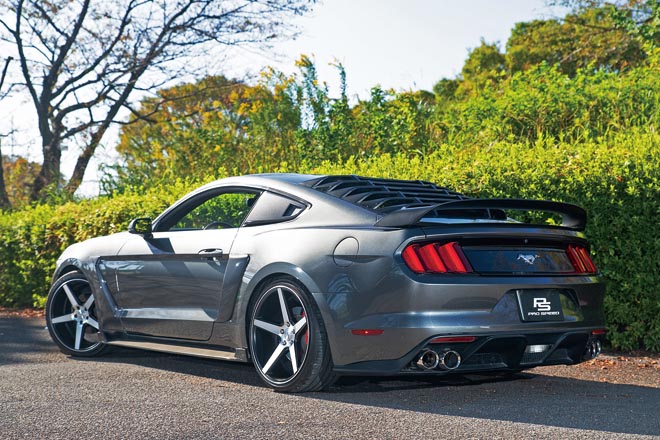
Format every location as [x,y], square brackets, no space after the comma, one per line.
[288,341]
[71,316]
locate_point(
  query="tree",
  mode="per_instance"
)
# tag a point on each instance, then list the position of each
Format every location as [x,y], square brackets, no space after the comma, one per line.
[18,173]
[641,18]
[4,198]
[587,37]
[191,130]
[210,127]
[82,62]
[216,125]
[484,60]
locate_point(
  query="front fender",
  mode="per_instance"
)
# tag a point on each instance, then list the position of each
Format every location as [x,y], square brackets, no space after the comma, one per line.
[64,266]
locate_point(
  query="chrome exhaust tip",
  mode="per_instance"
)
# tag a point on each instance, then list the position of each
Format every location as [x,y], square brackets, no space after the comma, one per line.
[449,360]
[428,360]
[592,350]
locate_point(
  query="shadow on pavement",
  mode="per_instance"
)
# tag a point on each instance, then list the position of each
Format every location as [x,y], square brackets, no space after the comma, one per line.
[523,397]
[20,338]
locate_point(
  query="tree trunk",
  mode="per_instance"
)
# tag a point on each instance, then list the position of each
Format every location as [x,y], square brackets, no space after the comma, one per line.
[5,204]
[4,198]
[50,169]
[83,161]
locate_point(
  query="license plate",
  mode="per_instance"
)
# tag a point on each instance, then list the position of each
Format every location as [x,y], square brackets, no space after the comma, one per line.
[540,306]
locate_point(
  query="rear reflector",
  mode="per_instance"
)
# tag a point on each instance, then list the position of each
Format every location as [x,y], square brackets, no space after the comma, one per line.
[580,259]
[450,339]
[436,258]
[367,332]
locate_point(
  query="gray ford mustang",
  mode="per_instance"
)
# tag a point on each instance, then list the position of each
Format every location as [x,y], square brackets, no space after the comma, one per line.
[310,277]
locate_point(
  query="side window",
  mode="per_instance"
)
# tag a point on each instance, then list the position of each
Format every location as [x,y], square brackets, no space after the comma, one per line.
[220,211]
[274,208]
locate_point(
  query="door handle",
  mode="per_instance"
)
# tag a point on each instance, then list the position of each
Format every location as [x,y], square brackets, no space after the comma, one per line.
[210,254]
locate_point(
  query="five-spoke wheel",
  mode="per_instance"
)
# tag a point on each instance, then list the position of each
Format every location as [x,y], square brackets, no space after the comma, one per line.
[288,343]
[71,318]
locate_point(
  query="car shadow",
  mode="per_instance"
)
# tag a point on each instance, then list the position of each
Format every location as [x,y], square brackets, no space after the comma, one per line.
[525,397]
[20,338]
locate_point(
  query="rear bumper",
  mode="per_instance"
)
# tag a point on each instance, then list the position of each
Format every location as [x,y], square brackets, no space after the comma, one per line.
[489,352]
[411,313]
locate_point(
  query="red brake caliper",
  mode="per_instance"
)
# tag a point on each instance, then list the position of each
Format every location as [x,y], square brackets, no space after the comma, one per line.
[306,331]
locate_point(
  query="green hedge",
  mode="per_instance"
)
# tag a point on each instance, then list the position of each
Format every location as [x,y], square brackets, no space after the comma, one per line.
[33,238]
[617,181]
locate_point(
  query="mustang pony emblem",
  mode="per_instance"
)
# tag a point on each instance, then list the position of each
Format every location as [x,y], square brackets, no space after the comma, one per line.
[529,259]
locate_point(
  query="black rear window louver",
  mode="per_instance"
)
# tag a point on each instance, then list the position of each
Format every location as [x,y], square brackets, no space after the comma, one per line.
[405,202]
[386,195]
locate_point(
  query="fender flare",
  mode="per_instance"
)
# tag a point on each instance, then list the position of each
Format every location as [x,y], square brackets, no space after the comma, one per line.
[248,289]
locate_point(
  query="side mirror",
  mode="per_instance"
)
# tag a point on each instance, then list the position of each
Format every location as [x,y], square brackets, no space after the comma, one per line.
[140,226]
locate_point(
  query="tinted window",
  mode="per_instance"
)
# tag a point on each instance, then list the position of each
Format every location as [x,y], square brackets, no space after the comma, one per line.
[212,211]
[274,208]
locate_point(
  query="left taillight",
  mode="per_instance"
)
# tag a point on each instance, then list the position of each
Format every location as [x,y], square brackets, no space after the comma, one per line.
[436,258]
[580,259]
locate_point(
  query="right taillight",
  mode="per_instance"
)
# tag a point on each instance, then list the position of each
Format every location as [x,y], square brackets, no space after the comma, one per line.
[580,259]
[436,258]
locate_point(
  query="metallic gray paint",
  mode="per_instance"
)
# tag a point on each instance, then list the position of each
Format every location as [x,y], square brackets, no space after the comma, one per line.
[162,287]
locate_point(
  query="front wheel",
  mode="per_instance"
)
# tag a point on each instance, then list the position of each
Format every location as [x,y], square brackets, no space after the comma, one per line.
[71,316]
[288,342]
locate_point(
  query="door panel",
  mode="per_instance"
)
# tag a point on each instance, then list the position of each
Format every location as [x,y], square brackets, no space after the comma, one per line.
[170,285]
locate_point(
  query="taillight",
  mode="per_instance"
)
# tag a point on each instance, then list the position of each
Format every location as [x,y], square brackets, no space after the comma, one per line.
[436,258]
[580,259]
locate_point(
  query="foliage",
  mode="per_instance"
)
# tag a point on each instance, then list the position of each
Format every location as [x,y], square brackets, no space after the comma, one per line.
[192,128]
[79,62]
[484,66]
[233,127]
[640,18]
[543,101]
[286,120]
[555,127]
[616,181]
[34,237]
[18,173]
[587,39]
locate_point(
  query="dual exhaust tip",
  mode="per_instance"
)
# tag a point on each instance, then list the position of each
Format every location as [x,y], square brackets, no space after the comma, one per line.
[446,360]
[592,350]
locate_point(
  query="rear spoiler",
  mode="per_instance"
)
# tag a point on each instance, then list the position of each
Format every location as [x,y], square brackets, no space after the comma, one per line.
[573,217]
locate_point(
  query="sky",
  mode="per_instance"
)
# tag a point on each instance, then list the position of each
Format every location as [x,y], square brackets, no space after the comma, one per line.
[394,43]
[398,44]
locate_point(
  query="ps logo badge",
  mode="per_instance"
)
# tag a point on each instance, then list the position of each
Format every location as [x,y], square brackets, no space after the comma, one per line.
[542,304]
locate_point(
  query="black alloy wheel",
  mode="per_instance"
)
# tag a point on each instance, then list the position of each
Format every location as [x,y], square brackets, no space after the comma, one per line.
[288,343]
[71,316]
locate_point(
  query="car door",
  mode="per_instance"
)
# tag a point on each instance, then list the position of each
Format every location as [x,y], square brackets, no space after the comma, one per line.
[169,284]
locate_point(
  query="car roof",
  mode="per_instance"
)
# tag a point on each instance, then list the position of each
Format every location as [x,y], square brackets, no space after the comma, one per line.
[393,202]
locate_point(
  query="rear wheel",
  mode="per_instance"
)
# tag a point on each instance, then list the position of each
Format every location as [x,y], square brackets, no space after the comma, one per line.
[288,342]
[71,316]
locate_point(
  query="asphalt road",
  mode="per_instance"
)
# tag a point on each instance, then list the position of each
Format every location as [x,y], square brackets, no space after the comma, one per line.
[133,394]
